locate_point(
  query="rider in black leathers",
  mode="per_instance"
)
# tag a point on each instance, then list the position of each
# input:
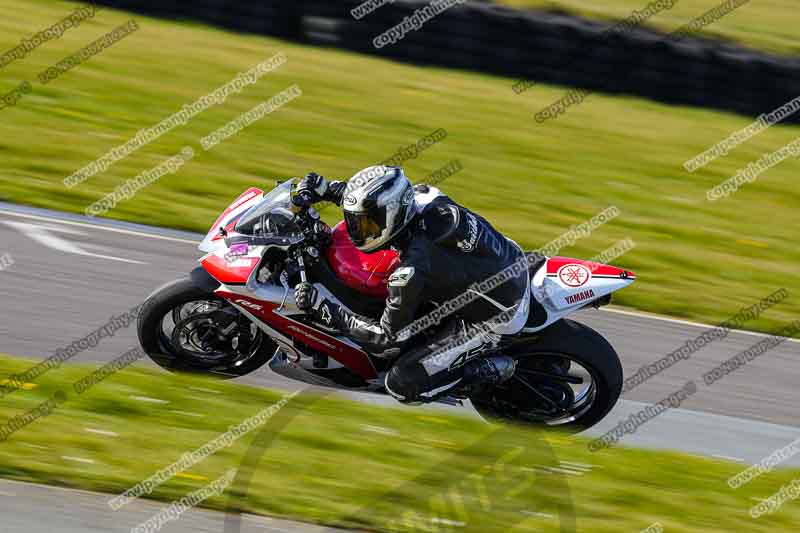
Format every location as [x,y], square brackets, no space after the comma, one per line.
[446,251]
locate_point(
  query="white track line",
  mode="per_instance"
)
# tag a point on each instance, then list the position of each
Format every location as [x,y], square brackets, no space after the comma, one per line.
[102,432]
[685,322]
[727,458]
[381,430]
[148,399]
[446,522]
[557,470]
[39,486]
[99,226]
[575,468]
[201,389]
[187,241]
[578,465]
[37,446]
[187,413]
[77,459]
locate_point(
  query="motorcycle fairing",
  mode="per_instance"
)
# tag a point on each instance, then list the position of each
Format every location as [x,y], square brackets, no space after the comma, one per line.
[232,270]
[563,285]
[266,312]
[227,220]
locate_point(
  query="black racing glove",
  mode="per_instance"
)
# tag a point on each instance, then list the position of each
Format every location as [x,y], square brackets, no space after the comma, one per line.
[311,189]
[306,296]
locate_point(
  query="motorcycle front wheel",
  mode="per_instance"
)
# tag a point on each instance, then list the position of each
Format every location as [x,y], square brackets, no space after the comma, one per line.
[184,328]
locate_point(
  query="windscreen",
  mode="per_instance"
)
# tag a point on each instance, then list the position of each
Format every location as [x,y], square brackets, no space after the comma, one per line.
[273,216]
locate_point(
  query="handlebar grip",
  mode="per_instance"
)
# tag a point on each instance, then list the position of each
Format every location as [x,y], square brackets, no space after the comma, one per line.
[248,239]
[237,239]
[261,241]
[303,199]
[302,265]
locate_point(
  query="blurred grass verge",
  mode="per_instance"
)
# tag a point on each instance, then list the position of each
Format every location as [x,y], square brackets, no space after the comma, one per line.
[760,24]
[354,465]
[694,259]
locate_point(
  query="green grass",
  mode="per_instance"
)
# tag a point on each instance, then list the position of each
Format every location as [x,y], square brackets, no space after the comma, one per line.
[761,24]
[695,259]
[349,464]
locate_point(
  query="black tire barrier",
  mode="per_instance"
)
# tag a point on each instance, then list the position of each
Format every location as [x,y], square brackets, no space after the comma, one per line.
[538,46]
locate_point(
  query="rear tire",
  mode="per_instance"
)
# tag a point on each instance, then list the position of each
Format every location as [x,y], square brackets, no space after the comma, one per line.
[160,349]
[577,342]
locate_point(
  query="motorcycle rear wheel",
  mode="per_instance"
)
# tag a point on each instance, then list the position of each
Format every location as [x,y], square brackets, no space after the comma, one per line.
[568,377]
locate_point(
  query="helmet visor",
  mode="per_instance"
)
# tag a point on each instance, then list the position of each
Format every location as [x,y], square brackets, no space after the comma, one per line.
[363,228]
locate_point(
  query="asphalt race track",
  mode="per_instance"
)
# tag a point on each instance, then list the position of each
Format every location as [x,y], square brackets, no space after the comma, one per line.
[79,511]
[71,274]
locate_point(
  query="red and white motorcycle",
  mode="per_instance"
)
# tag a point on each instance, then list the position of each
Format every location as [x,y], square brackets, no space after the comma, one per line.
[237,312]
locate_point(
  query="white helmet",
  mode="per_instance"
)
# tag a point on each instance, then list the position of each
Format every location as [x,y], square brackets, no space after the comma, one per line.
[378,203]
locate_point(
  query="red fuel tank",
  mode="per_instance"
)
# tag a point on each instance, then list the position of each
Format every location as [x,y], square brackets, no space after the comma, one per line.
[365,273]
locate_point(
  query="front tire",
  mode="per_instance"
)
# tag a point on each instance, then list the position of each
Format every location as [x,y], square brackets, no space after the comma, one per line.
[562,348]
[182,311]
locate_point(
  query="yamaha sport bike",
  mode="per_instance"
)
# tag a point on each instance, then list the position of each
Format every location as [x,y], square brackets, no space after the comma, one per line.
[236,312]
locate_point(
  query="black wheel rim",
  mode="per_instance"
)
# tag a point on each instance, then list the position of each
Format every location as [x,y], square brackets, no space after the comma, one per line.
[188,333]
[547,388]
